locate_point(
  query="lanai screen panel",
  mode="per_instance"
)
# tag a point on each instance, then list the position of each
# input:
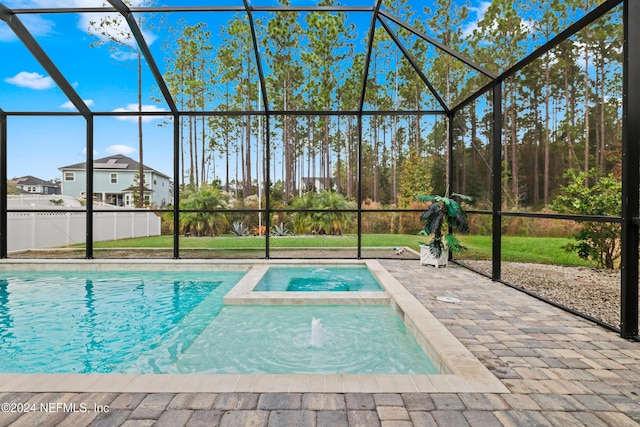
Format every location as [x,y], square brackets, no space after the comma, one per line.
[26,85]
[106,60]
[208,60]
[397,82]
[313,61]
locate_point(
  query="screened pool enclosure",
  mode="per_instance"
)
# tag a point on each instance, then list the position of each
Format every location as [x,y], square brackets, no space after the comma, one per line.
[304,129]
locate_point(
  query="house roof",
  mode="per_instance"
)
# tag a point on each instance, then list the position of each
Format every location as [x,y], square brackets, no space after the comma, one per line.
[132,188]
[117,162]
[32,180]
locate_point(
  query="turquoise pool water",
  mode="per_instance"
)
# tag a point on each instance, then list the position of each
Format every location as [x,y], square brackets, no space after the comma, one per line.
[355,340]
[318,278]
[102,322]
[149,322]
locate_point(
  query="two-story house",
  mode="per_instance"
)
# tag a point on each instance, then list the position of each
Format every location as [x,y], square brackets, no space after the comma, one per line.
[32,185]
[115,180]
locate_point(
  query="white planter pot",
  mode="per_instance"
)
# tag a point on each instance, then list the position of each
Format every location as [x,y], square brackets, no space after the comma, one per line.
[426,258]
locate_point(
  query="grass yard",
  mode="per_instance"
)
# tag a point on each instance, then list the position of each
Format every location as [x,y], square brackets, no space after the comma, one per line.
[539,250]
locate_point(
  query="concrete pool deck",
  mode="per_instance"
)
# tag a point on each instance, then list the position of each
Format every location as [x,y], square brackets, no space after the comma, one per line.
[556,369]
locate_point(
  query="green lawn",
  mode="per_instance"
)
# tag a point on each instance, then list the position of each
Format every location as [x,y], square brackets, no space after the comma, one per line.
[542,250]
[539,250]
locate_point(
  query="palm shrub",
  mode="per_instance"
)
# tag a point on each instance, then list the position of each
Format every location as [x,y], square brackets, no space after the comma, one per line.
[441,219]
[197,221]
[334,220]
[321,213]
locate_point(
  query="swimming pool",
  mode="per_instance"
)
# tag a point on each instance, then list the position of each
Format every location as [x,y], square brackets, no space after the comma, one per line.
[318,279]
[459,370]
[160,322]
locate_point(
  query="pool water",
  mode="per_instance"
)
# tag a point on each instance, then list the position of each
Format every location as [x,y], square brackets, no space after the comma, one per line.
[96,322]
[316,279]
[355,340]
[153,322]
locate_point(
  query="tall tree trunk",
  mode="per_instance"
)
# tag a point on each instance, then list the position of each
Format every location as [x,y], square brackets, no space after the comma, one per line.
[309,149]
[447,137]
[603,104]
[191,166]
[243,162]
[327,152]
[203,137]
[246,177]
[376,162]
[338,159]
[515,182]
[417,120]
[535,158]
[586,105]
[598,107]
[571,151]
[474,147]
[140,139]
[349,159]
[394,161]
[226,141]
[546,133]
[246,191]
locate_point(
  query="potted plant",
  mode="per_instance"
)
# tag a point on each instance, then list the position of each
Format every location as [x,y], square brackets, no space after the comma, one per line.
[441,219]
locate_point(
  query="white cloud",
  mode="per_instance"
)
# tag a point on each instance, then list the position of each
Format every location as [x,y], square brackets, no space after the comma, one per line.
[31,80]
[122,56]
[134,108]
[120,149]
[37,25]
[69,105]
[479,10]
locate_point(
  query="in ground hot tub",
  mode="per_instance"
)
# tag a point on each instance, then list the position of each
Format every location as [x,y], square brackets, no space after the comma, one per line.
[355,278]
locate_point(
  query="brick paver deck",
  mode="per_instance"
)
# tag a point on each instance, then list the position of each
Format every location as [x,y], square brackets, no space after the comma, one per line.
[560,370]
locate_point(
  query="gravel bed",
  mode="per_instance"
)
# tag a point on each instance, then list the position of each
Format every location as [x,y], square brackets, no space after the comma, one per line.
[590,291]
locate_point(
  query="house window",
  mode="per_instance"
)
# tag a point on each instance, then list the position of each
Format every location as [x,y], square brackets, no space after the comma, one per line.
[146,200]
[69,176]
[114,178]
[31,189]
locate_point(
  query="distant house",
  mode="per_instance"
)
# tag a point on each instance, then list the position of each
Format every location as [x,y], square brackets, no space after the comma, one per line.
[115,180]
[32,185]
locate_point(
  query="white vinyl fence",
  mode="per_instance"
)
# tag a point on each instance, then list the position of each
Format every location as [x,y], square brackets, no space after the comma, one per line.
[41,230]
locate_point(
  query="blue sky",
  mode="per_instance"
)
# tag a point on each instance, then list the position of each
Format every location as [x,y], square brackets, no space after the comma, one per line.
[105,77]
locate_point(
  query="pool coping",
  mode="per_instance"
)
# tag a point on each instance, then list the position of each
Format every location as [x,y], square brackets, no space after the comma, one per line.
[243,294]
[464,373]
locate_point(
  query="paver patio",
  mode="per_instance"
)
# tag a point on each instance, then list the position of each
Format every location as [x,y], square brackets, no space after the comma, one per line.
[559,369]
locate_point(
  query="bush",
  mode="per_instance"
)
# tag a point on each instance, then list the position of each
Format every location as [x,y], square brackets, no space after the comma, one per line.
[375,222]
[331,222]
[599,241]
[207,197]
